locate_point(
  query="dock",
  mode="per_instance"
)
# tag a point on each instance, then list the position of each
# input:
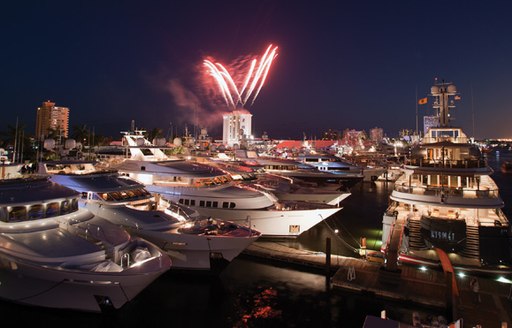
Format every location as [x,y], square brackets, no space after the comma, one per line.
[428,289]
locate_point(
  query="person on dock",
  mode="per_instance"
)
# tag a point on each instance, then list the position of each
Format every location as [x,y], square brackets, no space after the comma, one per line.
[475,287]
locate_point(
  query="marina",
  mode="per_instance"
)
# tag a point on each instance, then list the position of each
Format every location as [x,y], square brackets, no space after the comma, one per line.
[256,164]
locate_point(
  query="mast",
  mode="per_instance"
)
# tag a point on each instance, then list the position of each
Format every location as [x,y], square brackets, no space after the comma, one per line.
[443,103]
[416,132]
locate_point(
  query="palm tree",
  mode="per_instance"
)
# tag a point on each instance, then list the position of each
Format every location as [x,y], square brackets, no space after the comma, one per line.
[154,133]
[81,133]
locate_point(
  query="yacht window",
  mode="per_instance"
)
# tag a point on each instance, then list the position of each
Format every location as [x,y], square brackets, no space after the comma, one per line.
[232,205]
[187,202]
[52,209]
[225,204]
[208,203]
[74,205]
[192,202]
[84,195]
[65,207]
[36,212]
[180,201]
[18,213]
[215,204]
[3,214]
[143,168]
[201,203]
[98,197]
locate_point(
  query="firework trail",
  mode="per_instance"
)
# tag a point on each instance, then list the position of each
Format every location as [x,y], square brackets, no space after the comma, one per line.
[252,83]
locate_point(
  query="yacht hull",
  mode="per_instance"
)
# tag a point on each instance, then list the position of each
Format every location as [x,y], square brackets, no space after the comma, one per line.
[56,287]
[273,223]
[198,253]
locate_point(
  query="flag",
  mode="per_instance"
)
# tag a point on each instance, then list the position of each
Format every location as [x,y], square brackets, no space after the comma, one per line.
[422,101]
[457,97]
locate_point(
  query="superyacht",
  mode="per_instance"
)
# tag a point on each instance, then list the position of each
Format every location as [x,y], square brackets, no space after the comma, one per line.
[446,209]
[54,254]
[212,192]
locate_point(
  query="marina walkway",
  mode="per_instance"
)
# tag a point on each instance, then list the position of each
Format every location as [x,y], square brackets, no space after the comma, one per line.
[406,284]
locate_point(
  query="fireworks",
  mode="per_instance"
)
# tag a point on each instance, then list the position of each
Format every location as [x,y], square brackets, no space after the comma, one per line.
[236,93]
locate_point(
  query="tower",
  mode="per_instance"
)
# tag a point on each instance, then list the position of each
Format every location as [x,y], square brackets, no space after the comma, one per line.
[236,127]
[50,117]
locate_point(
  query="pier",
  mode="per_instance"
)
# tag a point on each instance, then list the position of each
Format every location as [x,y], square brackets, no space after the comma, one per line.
[428,289]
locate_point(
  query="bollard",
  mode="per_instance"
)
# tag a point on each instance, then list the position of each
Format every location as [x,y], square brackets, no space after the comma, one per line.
[328,256]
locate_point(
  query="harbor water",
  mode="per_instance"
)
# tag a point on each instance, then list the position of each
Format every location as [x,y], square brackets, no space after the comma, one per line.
[252,293]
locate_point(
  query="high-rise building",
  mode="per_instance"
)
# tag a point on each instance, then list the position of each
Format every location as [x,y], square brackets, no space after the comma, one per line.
[236,127]
[50,117]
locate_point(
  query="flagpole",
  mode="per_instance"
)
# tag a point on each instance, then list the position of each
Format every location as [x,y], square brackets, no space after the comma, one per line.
[472,111]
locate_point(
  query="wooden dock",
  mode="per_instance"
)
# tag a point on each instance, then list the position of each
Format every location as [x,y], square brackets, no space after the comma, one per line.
[429,288]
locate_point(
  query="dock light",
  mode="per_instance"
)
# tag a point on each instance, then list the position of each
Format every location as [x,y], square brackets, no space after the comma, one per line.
[461,274]
[504,280]
[423,268]
[336,231]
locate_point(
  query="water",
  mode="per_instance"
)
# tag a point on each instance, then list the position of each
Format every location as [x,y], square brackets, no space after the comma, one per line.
[253,294]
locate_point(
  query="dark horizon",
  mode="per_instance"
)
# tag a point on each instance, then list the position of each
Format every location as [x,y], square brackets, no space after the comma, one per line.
[339,66]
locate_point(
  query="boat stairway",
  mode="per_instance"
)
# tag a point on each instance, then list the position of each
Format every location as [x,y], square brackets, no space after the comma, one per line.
[472,248]
[415,239]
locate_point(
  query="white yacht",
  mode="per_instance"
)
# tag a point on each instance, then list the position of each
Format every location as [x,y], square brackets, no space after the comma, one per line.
[54,254]
[199,244]
[296,169]
[292,189]
[283,187]
[212,192]
[446,209]
[334,164]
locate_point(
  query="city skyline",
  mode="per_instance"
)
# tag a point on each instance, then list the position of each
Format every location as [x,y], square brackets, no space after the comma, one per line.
[340,66]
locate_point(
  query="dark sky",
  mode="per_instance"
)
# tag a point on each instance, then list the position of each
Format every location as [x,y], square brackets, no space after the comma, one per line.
[341,64]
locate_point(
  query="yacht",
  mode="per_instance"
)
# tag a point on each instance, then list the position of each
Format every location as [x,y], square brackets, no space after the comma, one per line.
[212,192]
[292,189]
[296,169]
[54,254]
[283,187]
[446,209]
[337,165]
[194,244]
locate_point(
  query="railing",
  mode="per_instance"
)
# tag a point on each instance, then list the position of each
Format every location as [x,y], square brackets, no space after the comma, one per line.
[448,191]
[457,164]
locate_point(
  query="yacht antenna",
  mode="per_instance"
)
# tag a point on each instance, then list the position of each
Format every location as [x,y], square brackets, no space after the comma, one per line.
[472,111]
[416,132]
[15,142]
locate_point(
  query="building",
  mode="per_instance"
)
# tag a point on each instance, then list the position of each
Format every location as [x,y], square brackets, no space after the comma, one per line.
[236,128]
[50,117]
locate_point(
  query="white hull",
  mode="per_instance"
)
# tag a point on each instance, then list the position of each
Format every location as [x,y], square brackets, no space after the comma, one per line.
[193,252]
[187,251]
[321,197]
[44,286]
[273,223]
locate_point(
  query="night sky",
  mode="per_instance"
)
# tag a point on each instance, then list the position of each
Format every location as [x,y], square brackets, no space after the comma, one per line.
[340,64]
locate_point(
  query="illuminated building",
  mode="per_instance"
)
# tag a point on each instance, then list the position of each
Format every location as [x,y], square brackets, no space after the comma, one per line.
[50,117]
[236,127]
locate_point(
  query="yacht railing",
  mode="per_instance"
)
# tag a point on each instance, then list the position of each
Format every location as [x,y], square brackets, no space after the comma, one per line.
[448,191]
[456,164]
